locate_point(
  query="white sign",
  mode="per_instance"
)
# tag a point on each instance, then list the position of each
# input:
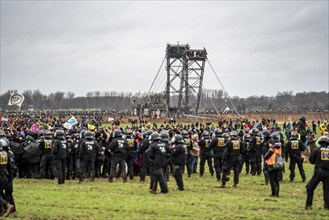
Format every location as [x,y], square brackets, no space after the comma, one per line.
[16,99]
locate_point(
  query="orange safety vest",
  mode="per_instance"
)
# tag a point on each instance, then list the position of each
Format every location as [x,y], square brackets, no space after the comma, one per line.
[271,161]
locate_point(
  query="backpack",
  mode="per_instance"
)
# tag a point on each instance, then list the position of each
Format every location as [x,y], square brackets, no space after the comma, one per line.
[279,162]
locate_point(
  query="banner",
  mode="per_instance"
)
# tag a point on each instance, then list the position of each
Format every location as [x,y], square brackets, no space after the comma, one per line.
[91,127]
[67,125]
[73,121]
[35,129]
[111,119]
[16,99]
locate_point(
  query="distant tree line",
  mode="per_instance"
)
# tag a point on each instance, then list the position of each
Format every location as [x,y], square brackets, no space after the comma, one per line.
[283,101]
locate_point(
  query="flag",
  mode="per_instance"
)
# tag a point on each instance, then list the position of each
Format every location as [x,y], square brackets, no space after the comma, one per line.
[35,129]
[16,99]
[73,121]
[91,127]
[67,125]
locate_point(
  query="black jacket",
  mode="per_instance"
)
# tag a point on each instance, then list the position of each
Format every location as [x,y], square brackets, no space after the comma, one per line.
[159,153]
[179,155]
[59,149]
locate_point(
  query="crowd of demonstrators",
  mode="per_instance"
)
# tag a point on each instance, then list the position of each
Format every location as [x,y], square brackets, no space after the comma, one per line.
[157,150]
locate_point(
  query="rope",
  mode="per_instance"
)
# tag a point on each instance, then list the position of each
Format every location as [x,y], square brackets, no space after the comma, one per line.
[223,88]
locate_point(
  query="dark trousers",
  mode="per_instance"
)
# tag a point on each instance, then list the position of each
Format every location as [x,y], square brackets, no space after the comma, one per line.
[34,170]
[218,165]
[122,164]
[203,160]
[256,164]
[87,163]
[292,166]
[318,176]
[61,170]
[130,164]
[178,174]
[8,192]
[70,167]
[144,167]
[47,166]
[3,181]
[274,182]
[245,160]
[158,173]
[235,164]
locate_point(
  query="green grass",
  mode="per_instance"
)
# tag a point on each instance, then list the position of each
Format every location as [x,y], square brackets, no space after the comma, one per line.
[202,199]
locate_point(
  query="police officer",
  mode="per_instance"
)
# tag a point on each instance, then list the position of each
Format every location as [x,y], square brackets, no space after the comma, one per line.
[270,157]
[231,158]
[255,152]
[143,151]
[179,160]
[47,158]
[245,158]
[8,187]
[5,168]
[188,145]
[294,149]
[206,153]
[158,154]
[169,165]
[69,157]
[319,157]
[266,137]
[130,156]
[217,145]
[119,149]
[89,149]
[59,151]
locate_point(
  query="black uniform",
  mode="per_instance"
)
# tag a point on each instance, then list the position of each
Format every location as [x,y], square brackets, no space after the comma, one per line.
[119,150]
[5,169]
[8,187]
[206,155]
[143,151]
[231,157]
[158,154]
[89,149]
[245,159]
[59,150]
[217,144]
[294,149]
[179,161]
[319,157]
[255,154]
[130,156]
[47,165]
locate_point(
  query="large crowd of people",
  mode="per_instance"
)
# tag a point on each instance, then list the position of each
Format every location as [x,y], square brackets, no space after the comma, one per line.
[40,146]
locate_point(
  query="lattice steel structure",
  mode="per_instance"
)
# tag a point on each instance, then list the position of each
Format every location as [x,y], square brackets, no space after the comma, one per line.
[185,70]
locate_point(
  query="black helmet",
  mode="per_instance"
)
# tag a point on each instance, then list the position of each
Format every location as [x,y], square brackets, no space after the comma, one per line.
[49,134]
[178,139]
[117,133]
[147,134]
[164,136]
[218,133]
[266,134]
[82,133]
[254,131]
[276,136]
[247,137]
[205,134]
[59,134]
[293,135]
[226,135]
[234,134]
[89,135]
[2,133]
[324,140]
[184,133]
[155,137]
[303,119]
[129,133]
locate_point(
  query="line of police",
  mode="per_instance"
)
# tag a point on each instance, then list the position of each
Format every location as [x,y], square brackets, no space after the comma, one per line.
[68,156]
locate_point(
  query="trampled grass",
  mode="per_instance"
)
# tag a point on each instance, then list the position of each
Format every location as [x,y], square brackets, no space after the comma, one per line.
[202,199]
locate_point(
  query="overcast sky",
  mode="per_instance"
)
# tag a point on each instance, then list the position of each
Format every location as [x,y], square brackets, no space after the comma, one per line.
[257,48]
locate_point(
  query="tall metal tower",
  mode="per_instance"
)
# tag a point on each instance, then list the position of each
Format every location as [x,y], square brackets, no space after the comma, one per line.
[185,69]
